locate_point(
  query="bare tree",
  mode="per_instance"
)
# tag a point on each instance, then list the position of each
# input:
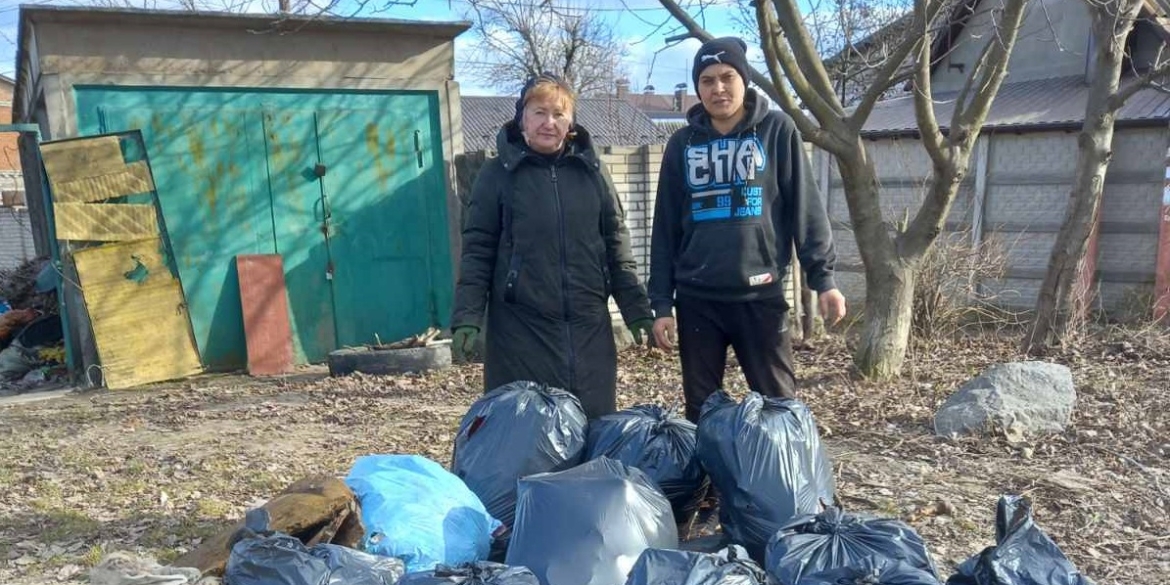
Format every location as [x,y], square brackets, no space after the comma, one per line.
[891,254]
[519,38]
[1064,294]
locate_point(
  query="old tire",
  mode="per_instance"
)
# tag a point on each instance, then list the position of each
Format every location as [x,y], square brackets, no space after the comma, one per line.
[385,362]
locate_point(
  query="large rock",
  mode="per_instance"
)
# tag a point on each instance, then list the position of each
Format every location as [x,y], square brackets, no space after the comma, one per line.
[1021,397]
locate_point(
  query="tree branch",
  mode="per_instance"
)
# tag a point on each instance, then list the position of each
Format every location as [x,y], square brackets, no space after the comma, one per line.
[698,32]
[1153,76]
[991,79]
[928,127]
[893,63]
[805,52]
[824,112]
[809,129]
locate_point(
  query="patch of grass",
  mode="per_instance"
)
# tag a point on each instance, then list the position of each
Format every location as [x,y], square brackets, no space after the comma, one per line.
[93,556]
[135,469]
[166,555]
[61,524]
[124,488]
[212,508]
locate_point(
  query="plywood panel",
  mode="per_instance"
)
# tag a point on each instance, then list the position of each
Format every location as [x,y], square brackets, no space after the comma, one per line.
[140,324]
[128,180]
[84,157]
[264,300]
[112,222]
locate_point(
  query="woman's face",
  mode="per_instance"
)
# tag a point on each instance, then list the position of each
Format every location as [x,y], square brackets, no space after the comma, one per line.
[546,123]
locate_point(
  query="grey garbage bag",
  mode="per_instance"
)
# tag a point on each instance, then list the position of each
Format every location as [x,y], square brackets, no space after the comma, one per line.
[659,444]
[766,460]
[835,539]
[479,573]
[731,566]
[513,431]
[871,571]
[263,557]
[588,525]
[1023,553]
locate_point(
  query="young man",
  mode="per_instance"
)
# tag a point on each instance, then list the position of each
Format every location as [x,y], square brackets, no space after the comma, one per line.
[734,194]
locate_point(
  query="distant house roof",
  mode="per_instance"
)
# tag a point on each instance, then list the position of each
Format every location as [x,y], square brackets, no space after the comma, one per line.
[1039,103]
[661,105]
[611,122]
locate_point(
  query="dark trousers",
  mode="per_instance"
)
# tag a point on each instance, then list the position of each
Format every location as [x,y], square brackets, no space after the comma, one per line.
[758,332]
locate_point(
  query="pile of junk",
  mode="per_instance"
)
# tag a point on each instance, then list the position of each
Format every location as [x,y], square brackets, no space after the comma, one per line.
[32,347]
[537,495]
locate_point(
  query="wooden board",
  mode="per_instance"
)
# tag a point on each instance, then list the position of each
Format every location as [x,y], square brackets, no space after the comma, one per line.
[105,222]
[136,309]
[128,180]
[84,157]
[264,300]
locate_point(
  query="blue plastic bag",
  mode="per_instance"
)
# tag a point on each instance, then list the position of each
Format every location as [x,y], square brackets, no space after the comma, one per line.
[415,510]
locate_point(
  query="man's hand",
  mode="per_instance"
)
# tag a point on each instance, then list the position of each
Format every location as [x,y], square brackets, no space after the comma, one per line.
[463,341]
[832,306]
[665,332]
[641,330]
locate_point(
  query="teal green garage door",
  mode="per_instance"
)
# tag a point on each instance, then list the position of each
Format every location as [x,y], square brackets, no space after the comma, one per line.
[348,187]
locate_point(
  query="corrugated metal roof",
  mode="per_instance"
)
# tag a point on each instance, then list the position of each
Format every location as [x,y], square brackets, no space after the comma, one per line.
[1034,103]
[610,121]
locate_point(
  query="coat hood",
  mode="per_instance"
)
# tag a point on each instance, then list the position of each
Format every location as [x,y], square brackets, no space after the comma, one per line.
[513,149]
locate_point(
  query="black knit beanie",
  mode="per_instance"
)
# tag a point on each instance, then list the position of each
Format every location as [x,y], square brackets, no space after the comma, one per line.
[727,50]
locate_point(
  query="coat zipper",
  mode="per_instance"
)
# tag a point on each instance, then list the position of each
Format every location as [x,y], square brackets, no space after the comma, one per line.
[564,279]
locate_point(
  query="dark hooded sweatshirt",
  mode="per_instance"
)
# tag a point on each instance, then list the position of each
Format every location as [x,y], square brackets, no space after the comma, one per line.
[547,287]
[730,207]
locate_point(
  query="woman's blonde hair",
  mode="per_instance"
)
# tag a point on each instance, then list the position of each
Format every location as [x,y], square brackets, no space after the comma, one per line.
[549,90]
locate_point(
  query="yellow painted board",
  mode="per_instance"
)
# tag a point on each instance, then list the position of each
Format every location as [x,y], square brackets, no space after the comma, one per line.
[84,157]
[135,306]
[105,222]
[129,180]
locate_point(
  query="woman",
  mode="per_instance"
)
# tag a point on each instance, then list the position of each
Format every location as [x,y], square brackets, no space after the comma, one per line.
[545,245]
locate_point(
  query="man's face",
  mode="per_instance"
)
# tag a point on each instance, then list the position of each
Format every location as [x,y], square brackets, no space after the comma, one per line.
[721,90]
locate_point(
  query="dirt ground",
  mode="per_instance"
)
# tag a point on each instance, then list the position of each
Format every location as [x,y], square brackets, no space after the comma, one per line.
[155,470]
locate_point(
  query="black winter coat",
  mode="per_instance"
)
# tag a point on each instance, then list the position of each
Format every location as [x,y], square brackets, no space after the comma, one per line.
[548,286]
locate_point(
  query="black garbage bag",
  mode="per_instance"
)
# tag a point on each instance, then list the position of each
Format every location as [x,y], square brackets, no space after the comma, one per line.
[479,573]
[660,445]
[1023,554]
[731,566]
[834,539]
[262,557]
[871,571]
[766,461]
[348,566]
[517,430]
[588,525]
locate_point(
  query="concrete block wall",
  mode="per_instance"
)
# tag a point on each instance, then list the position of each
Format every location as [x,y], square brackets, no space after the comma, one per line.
[1028,182]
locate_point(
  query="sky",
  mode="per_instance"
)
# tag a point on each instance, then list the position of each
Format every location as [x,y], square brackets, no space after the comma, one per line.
[643,24]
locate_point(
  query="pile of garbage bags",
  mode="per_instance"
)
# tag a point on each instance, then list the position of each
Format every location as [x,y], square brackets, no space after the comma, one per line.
[538,495]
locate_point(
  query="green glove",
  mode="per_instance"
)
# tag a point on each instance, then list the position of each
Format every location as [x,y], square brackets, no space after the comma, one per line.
[642,330]
[463,341]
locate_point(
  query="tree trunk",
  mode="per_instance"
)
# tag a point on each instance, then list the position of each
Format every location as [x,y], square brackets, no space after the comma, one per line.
[889,299]
[889,282]
[1062,301]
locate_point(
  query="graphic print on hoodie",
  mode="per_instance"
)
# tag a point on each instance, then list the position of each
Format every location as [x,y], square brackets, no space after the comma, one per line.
[729,207]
